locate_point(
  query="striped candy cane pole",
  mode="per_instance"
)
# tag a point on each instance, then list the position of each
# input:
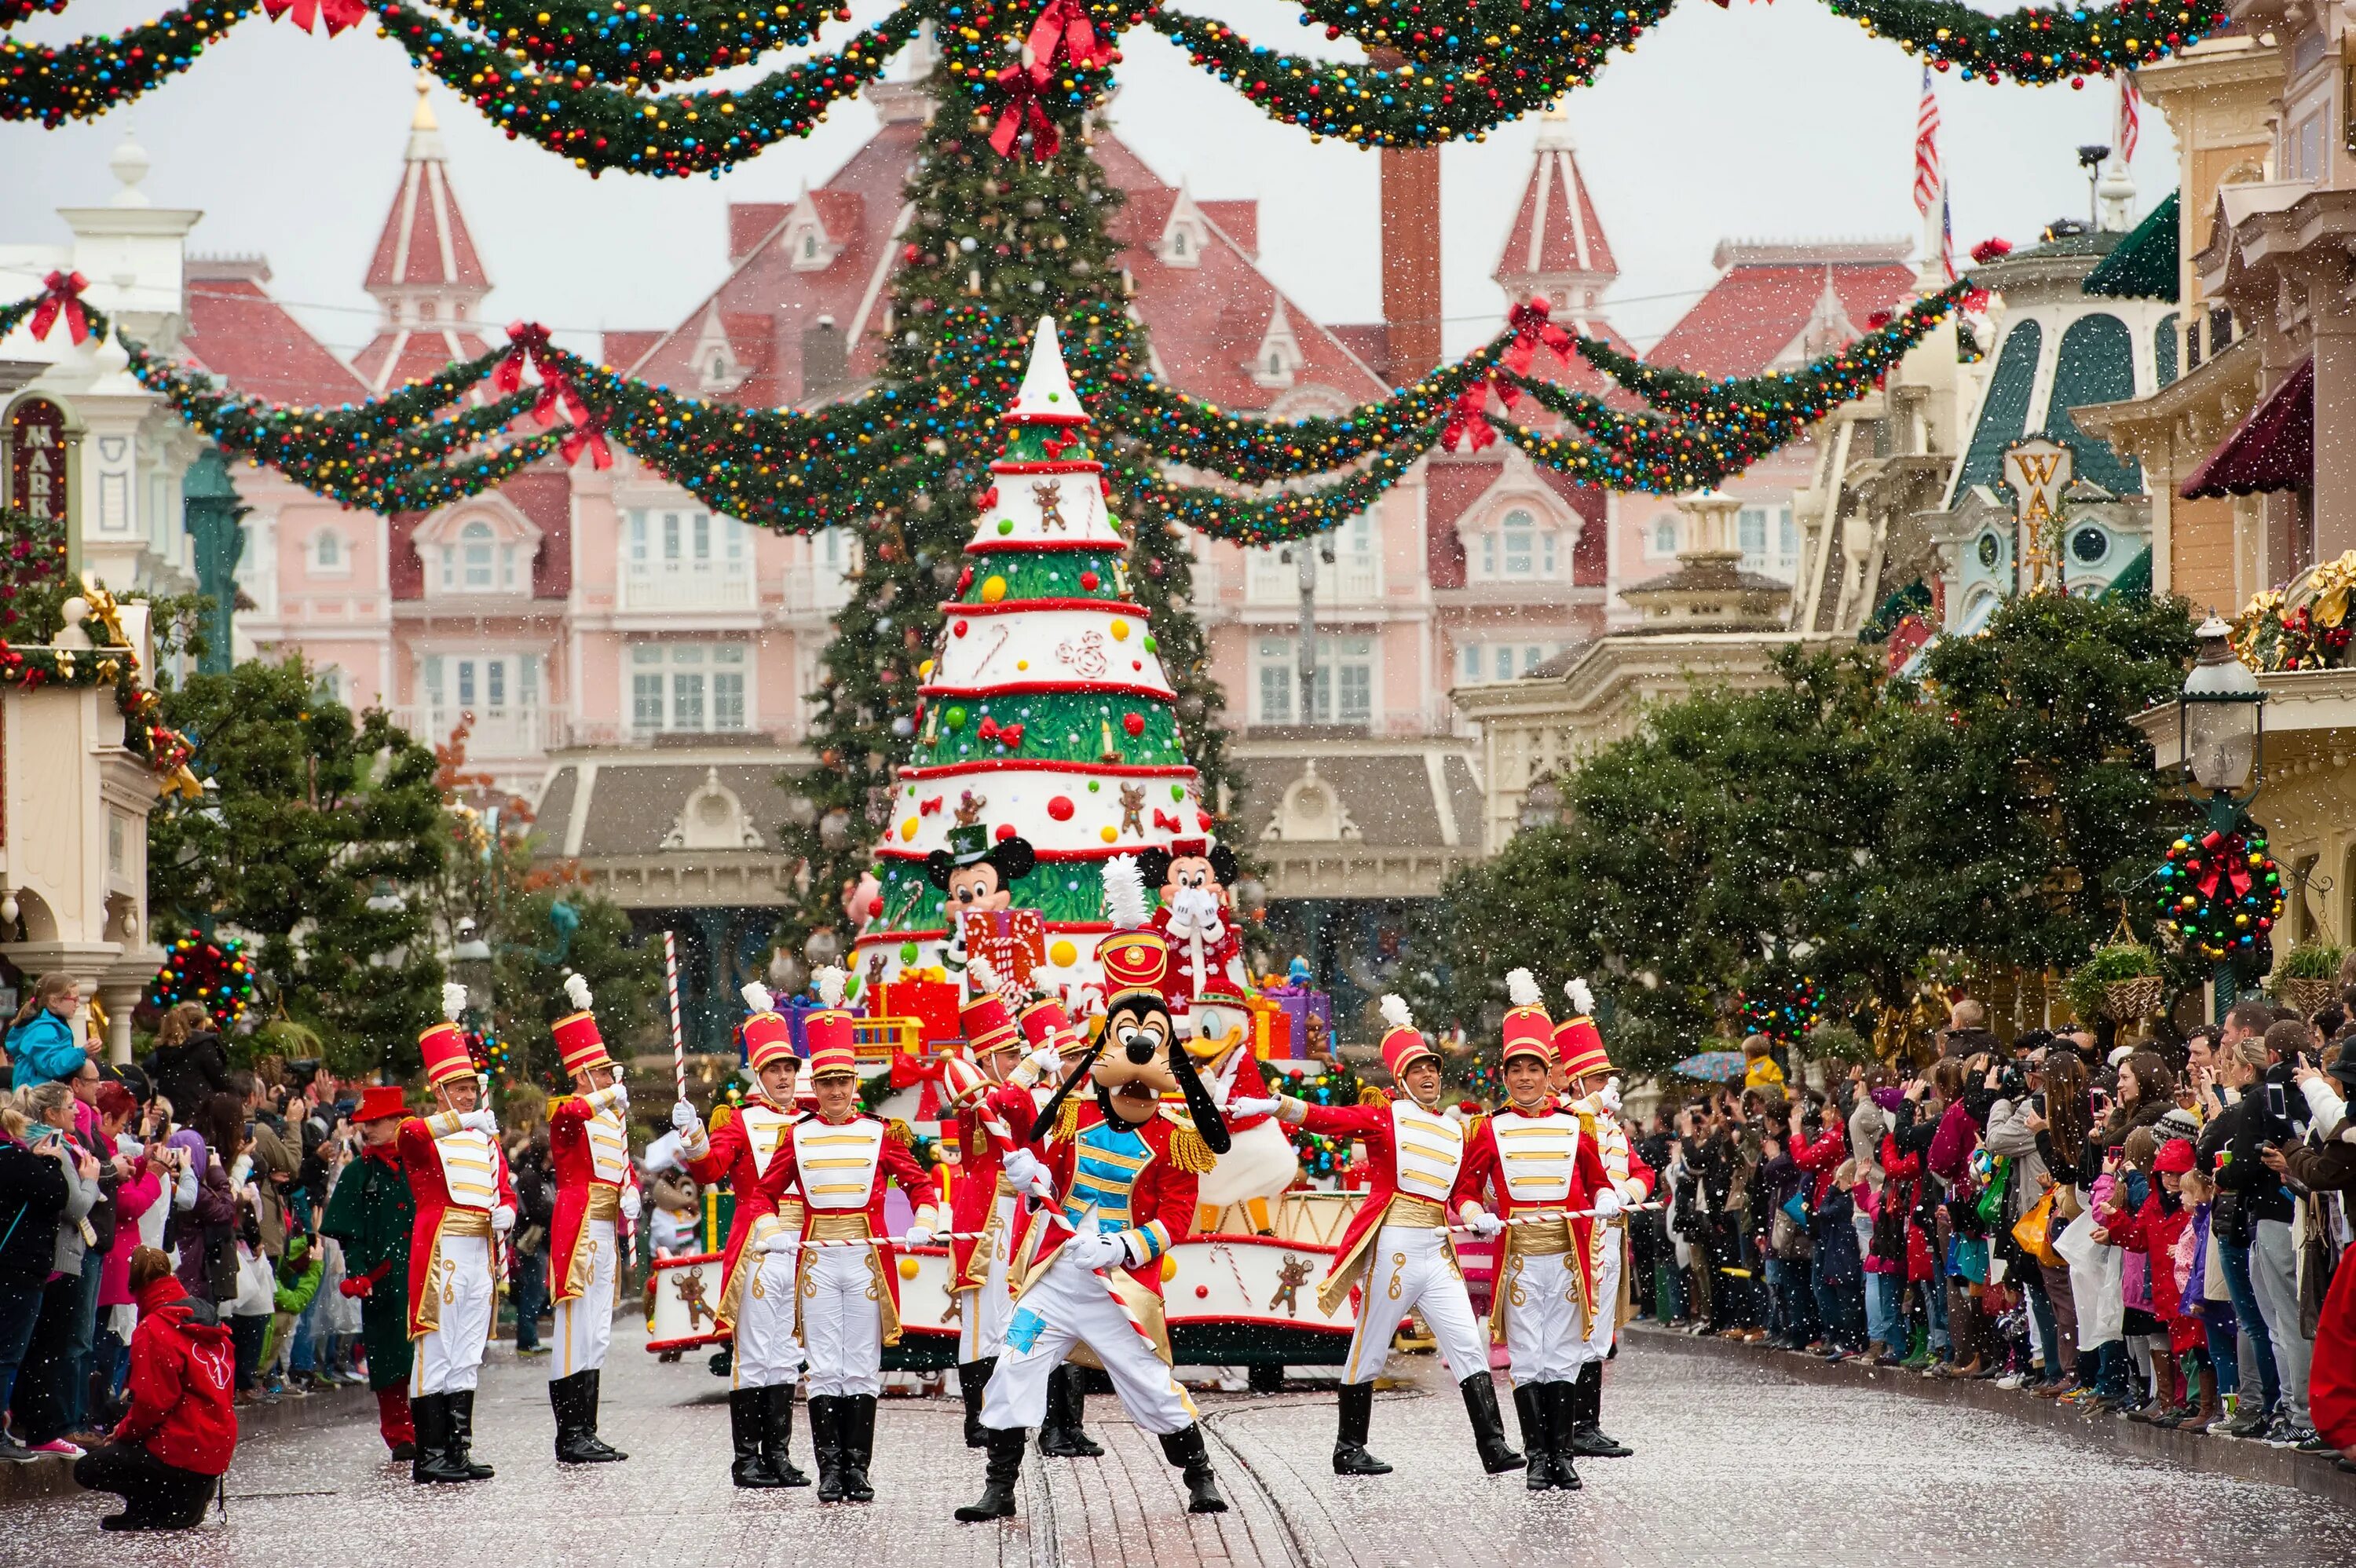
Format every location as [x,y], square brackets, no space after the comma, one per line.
[678,1036]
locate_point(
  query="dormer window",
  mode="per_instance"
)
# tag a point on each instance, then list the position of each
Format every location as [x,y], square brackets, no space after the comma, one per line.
[1185,235]
[1178,243]
[1277,359]
[475,562]
[1518,547]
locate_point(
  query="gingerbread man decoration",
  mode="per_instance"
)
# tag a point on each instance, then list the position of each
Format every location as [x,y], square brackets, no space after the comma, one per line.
[1048,493]
[1132,809]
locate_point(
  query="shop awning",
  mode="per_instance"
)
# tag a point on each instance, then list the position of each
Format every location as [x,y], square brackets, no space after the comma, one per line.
[2143,265]
[2273,449]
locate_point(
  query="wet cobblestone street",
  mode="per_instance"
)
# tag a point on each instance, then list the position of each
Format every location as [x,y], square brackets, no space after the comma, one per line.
[1735,1464]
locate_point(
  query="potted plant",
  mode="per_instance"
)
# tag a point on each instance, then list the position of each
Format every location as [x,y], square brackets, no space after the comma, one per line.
[2121,981]
[2308,976]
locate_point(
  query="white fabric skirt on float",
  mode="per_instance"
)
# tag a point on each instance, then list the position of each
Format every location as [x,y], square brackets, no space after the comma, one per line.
[1260,1163]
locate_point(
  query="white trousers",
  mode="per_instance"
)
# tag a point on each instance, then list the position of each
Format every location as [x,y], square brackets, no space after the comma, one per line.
[1414,1270]
[766,1353]
[1606,1321]
[1067,1305]
[981,1331]
[842,1324]
[584,1324]
[1545,1327]
[450,1356]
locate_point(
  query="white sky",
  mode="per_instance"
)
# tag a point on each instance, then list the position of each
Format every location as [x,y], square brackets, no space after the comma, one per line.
[1764,122]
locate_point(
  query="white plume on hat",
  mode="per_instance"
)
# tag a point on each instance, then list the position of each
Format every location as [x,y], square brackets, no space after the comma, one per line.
[979,971]
[1582,1000]
[454,999]
[1394,1010]
[829,986]
[577,986]
[1522,987]
[1124,890]
[757,997]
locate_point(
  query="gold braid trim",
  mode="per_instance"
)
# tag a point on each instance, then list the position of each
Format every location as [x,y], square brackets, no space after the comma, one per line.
[1068,1120]
[1188,1151]
[1370,1095]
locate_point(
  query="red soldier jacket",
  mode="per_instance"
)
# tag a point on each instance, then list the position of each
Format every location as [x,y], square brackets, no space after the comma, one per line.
[841,1169]
[1415,1156]
[1535,1161]
[741,1150]
[972,1101]
[456,1179]
[589,1151]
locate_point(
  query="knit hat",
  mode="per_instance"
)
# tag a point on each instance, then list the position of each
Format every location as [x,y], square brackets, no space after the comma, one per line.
[1528,1030]
[578,1045]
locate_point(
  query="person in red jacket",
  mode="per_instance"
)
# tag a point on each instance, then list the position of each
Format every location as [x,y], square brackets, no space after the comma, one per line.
[168,1452]
[597,1193]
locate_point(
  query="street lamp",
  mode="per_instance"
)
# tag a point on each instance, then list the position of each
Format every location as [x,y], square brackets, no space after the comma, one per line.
[2220,736]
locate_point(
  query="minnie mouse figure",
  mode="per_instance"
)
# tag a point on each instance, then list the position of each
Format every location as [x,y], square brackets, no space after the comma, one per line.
[1207,951]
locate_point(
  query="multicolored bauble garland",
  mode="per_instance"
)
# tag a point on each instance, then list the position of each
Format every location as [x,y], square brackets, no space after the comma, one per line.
[215,973]
[1784,1011]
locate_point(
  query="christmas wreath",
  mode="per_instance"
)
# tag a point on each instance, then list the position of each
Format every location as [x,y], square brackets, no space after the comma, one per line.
[2221,891]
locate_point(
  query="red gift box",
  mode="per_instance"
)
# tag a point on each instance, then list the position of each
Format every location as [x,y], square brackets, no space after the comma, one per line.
[932,1003]
[1014,940]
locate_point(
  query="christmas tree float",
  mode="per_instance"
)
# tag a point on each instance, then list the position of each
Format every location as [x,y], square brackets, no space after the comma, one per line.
[1047,739]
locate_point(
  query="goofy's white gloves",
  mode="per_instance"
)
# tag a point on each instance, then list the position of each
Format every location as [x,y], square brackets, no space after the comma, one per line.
[1024,1173]
[1252,1105]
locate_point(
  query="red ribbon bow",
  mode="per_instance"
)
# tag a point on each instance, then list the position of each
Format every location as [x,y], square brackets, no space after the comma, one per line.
[1024,111]
[1010,736]
[555,389]
[1533,324]
[930,808]
[2231,866]
[1064,25]
[1164,821]
[337,14]
[1468,419]
[589,434]
[62,295]
[526,340]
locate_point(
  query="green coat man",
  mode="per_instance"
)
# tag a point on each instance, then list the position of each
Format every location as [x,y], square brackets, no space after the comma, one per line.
[370,1213]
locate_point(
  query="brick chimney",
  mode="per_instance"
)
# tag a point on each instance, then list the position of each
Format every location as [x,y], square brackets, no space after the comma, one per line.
[1411,244]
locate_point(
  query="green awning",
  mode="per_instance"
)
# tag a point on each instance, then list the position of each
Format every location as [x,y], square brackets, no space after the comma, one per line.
[2143,266]
[2133,584]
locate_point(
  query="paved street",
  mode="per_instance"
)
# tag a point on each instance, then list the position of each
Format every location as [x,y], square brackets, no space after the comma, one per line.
[1735,1466]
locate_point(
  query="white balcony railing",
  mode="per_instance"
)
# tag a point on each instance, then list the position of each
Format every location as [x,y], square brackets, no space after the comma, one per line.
[687,584]
[500,733]
[1351,578]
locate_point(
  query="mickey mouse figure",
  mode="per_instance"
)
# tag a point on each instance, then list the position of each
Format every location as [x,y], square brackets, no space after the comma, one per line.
[1207,951]
[979,876]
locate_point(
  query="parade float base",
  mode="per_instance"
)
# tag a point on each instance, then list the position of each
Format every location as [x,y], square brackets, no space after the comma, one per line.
[1233,1299]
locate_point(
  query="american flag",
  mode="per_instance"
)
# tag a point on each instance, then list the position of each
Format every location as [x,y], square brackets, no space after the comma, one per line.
[1947,236]
[2129,129]
[1927,182]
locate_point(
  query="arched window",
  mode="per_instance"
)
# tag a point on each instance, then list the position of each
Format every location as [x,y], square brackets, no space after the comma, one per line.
[1177,241]
[327,553]
[809,245]
[477,562]
[1518,547]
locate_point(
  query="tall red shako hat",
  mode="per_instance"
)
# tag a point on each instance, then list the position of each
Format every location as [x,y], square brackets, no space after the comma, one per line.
[444,1046]
[1134,958]
[578,1044]
[1528,1030]
[988,1024]
[832,1053]
[1576,1040]
[767,1036]
[1402,1042]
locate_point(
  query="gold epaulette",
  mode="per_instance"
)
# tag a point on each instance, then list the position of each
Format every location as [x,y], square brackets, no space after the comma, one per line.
[1188,1149]
[1368,1095]
[1067,1121]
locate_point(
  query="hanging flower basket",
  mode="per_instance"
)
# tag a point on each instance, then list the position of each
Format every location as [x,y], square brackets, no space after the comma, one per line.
[2124,1001]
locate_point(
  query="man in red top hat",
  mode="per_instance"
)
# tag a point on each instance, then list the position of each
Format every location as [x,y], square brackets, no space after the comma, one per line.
[458,1177]
[848,1292]
[1584,1073]
[1540,1164]
[596,1188]
[756,1287]
[1398,1245]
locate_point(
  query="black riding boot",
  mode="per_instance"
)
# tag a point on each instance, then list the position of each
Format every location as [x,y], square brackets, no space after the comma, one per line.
[1589,1440]
[1561,1411]
[1005,1472]
[1061,1434]
[858,1447]
[830,1418]
[1488,1425]
[745,1432]
[431,1414]
[1350,1456]
[586,1402]
[973,1378]
[573,1400]
[1185,1449]
[778,1434]
[462,1435]
[1531,1409]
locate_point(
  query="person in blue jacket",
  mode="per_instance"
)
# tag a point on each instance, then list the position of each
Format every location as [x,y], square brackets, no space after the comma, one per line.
[41,1043]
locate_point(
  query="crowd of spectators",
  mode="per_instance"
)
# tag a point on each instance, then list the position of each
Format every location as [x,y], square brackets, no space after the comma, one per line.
[2139,1228]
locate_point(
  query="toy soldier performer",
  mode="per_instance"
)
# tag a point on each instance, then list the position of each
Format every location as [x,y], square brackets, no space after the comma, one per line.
[1537,1160]
[756,1290]
[849,1294]
[372,1214]
[1398,1245]
[1586,1072]
[596,1188]
[458,1178]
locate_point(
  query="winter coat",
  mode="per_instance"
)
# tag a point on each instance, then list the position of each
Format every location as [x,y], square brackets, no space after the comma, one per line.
[275,1155]
[44,1049]
[2232,1144]
[81,1197]
[132,1198]
[32,1200]
[2329,1167]
[1867,1122]
[181,1370]
[190,1072]
[1833,1227]
[1821,1159]
[208,1242]
[1952,1142]
[2008,1138]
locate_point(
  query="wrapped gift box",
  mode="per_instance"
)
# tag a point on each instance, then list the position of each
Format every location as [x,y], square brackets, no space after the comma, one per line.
[1299,1004]
[932,1003]
[1273,1035]
[1014,940]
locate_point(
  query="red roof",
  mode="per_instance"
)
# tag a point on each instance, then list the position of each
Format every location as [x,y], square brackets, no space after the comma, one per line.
[1557,230]
[425,242]
[395,358]
[1758,308]
[238,333]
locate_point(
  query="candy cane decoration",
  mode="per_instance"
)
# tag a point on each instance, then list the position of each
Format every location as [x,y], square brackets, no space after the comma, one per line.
[678,1036]
[1550,1215]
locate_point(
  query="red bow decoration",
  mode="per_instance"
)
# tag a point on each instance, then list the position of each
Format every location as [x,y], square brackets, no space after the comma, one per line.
[589,434]
[337,14]
[2232,866]
[930,808]
[555,390]
[1010,736]
[1532,325]
[62,295]
[1468,419]
[1164,821]
[1063,26]
[526,340]
[1974,301]
[987,729]
[1024,111]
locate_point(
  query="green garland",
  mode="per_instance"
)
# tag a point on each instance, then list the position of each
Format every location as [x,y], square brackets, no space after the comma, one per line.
[620,44]
[2036,44]
[83,80]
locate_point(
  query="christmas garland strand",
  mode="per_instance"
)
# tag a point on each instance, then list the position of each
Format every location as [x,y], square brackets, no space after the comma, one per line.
[15,11]
[2036,44]
[83,80]
[623,45]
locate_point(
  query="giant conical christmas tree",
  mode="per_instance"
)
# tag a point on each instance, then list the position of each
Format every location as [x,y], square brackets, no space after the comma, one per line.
[1044,714]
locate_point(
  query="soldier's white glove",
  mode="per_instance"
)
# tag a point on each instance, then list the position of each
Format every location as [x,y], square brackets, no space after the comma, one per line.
[1253,1105]
[782,1242]
[1605,1202]
[631,1203]
[1609,1098]
[1024,1173]
[1483,1224]
[918,1236]
[617,1097]
[503,1219]
[1093,1250]
[479,1122]
[1045,1058]
[683,1117]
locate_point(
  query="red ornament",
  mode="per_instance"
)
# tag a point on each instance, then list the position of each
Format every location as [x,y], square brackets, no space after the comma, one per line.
[1202,1291]
[1134,723]
[874,907]
[1005,830]
[958,629]
[1089,580]
[1060,808]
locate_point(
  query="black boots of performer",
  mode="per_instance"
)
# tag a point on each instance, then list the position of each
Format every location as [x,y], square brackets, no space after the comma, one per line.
[973,1378]
[1587,1438]
[1545,1413]
[1497,1455]
[842,1434]
[1063,1434]
[574,1401]
[1350,1456]
[761,1429]
[445,1426]
[1183,1449]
